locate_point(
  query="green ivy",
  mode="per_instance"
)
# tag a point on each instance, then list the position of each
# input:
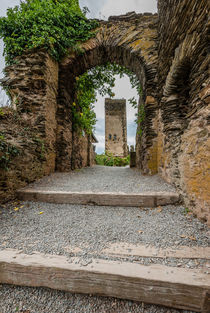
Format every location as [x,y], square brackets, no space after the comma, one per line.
[102,79]
[1,112]
[58,25]
[55,25]
[7,152]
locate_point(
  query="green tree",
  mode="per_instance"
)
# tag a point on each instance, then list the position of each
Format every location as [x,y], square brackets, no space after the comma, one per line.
[55,25]
[58,25]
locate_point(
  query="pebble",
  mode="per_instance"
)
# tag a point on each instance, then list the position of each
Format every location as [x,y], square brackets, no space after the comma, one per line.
[39,300]
[62,228]
[115,179]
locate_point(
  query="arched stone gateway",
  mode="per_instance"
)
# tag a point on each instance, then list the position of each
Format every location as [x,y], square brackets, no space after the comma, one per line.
[168,53]
[46,88]
[130,41]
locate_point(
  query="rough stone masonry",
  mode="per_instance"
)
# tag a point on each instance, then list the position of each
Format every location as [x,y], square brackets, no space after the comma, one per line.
[116,127]
[168,52]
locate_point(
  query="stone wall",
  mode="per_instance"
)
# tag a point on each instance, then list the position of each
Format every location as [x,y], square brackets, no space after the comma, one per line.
[146,136]
[183,139]
[30,131]
[116,127]
[30,126]
[24,152]
[81,150]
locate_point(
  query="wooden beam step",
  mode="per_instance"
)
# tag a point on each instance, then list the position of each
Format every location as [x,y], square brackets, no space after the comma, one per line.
[144,199]
[157,284]
[124,249]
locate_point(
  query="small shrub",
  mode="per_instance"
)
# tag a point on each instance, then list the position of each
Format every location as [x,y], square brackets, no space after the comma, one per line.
[108,159]
[186,211]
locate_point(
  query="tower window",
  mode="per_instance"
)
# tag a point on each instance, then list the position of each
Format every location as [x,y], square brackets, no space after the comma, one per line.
[115,137]
[110,136]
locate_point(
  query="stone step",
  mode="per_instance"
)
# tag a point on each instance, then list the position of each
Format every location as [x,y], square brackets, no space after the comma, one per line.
[179,288]
[143,199]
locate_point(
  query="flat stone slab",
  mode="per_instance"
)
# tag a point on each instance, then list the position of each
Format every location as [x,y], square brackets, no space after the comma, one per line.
[144,199]
[157,284]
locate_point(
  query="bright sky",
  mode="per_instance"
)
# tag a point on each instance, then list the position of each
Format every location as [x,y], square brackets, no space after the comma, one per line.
[102,9]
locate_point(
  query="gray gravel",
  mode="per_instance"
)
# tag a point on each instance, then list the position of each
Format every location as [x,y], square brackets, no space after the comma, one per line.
[94,228]
[38,300]
[104,179]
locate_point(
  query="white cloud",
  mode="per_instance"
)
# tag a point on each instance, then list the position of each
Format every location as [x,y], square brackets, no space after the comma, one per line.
[93,5]
[131,140]
[100,146]
[118,7]
[122,90]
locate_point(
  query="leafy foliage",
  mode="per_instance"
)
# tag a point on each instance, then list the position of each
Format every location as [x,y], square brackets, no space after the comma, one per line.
[55,25]
[1,112]
[102,79]
[58,25]
[108,159]
[7,152]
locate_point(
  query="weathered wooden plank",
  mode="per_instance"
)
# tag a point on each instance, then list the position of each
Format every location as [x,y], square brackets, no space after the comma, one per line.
[146,199]
[157,284]
[206,303]
[123,249]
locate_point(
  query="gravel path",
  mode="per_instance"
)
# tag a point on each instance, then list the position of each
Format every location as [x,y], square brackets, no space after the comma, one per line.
[104,179]
[93,229]
[57,229]
[38,300]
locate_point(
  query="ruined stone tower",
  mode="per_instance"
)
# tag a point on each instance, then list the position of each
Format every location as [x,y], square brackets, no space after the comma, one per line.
[116,127]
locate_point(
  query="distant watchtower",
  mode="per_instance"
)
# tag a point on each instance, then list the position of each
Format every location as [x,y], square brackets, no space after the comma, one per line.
[116,127]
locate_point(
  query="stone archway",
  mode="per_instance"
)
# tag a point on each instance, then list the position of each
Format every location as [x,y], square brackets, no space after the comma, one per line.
[42,92]
[129,41]
[158,48]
